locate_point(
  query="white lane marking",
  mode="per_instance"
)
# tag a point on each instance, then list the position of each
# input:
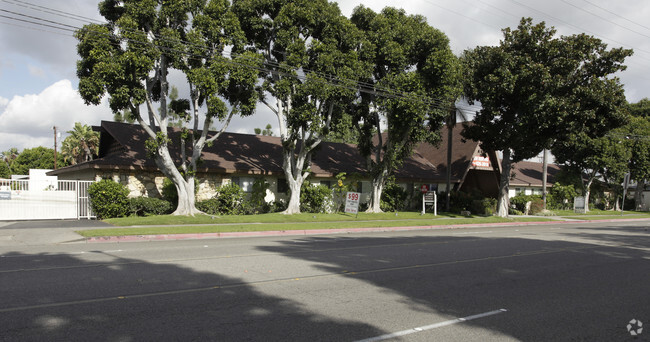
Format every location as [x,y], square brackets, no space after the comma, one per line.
[432,326]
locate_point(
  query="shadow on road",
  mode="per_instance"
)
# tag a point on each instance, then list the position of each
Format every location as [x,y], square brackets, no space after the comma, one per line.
[553,290]
[69,299]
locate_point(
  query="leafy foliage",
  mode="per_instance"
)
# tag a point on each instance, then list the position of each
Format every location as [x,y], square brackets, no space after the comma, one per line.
[147,206]
[130,57]
[109,199]
[81,145]
[561,196]
[315,198]
[7,160]
[312,62]
[35,158]
[486,206]
[536,90]
[257,203]
[229,200]
[393,198]
[414,60]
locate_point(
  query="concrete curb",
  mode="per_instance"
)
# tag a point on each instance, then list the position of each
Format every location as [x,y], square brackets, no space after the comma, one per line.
[308,232]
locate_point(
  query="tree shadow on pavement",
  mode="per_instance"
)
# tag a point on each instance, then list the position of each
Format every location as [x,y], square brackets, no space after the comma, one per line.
[62,297]
[553,290]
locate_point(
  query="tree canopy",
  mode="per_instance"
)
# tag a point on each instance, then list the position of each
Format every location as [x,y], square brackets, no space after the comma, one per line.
[311,64]
[536,89]
[81,145]
[36,158]
[413,84]
[130,58]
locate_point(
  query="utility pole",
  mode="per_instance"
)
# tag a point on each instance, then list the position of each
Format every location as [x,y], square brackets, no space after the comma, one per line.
[544,176]
[54,147]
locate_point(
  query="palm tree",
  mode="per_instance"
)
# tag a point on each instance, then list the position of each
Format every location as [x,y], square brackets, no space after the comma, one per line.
[81,145]
[9,156]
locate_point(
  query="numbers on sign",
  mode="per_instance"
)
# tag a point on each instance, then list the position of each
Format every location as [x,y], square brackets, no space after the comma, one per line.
[353,196]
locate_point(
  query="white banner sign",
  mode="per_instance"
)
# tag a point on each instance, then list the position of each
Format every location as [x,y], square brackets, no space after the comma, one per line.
[352,202]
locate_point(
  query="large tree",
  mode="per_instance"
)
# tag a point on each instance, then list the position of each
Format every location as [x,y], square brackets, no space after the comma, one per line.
[36,158]
[8,157]
[311,62]
[131,56]
[413,85]
[593,157]
[81,145]
[536,89]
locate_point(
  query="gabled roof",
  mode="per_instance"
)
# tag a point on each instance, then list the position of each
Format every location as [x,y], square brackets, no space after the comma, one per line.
[530,174]
[122,147]
[461,155]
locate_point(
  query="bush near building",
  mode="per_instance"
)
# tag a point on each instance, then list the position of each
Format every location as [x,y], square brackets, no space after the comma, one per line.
[109,199]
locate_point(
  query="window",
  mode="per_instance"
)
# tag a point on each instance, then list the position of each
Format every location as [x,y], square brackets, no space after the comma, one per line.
[360,187]
[327,183]
[283,186]
[245,183]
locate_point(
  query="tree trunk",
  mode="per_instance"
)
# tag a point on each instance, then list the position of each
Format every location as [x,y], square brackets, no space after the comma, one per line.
[587,191]
[638,195]
[375,196]
[186,201]
[544,177]
[450,141]
[294,197]
[503,202]
[184,187]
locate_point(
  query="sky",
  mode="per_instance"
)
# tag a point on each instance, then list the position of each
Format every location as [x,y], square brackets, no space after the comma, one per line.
[38,83]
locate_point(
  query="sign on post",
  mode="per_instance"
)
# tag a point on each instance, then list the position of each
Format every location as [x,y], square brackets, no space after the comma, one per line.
[352,202]
[429,196]
[579,205]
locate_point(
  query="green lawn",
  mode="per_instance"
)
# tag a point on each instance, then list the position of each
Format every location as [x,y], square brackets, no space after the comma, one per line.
[268,222]
[168,224]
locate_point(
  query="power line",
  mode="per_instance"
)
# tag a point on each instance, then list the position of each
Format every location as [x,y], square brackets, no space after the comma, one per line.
[576,27]
[603,18]
[615,14]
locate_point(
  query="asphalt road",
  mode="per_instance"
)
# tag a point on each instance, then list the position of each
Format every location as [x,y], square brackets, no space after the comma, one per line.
[565,282]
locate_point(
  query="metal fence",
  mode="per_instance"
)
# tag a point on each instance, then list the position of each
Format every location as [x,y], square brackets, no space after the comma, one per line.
[44,199]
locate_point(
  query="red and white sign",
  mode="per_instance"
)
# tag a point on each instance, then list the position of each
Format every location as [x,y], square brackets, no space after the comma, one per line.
[352,202]
[480,161]
[424,188]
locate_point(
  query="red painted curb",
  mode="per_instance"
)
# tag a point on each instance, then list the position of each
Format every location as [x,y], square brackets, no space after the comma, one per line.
[194,236]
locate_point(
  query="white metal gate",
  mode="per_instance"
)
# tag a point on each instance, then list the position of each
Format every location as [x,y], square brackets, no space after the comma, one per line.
[25,200]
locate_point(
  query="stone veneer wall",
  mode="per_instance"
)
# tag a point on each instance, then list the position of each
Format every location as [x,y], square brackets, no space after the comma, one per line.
[150,184]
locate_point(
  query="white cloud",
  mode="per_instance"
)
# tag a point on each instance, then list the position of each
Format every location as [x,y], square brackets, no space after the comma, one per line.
[26,121]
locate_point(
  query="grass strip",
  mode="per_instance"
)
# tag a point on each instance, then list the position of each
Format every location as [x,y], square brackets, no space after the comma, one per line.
[275,226]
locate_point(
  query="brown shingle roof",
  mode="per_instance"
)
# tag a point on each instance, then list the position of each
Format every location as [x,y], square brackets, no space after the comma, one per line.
[530,174]
[122,147]
[462,153]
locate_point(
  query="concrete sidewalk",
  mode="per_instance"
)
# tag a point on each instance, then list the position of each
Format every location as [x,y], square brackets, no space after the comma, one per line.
[48,232]
[44,232]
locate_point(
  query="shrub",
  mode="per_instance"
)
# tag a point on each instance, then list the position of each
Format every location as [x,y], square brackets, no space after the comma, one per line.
[108,199]
[561,196]
[537,205]
[393,198]
[257,203]
[228,200]
[460,201]
[486,206]
[315,198]
[147,206]
[169,192]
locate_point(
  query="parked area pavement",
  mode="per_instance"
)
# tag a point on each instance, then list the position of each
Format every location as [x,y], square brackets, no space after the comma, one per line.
[44,232]
[52,232]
